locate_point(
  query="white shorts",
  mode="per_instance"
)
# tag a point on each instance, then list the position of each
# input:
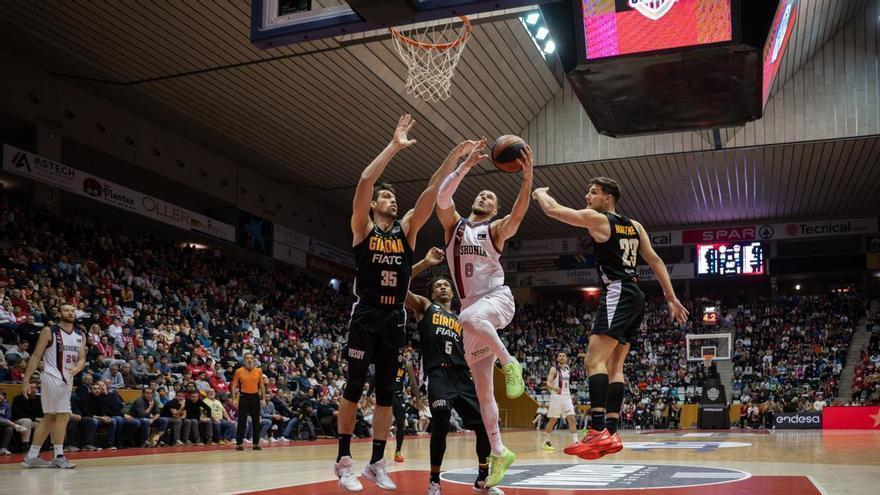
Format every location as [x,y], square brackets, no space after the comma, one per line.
[496,307]
[560,405]
[55,394]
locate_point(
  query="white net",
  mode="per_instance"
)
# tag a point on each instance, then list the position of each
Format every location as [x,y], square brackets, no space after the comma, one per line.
[431,52]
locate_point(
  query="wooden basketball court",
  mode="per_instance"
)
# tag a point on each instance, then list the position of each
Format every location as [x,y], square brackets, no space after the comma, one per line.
[662,462]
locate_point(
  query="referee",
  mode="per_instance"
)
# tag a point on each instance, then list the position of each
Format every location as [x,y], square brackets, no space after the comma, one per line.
[248,380]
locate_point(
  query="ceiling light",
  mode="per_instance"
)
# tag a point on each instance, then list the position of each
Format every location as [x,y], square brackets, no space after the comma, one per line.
[550,47]
[542,33]
[533,18]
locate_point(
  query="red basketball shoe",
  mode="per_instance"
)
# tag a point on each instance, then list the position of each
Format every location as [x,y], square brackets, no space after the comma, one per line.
[616,445]
[592,444]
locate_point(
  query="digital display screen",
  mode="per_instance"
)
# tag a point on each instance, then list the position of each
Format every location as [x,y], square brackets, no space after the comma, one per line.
[780,32]
[746,258]
[710,316]
[620,27]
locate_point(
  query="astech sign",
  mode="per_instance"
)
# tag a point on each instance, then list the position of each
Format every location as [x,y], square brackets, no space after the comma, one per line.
[798,421]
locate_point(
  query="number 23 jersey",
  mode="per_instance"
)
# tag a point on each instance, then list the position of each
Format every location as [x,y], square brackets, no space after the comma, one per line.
[616,257]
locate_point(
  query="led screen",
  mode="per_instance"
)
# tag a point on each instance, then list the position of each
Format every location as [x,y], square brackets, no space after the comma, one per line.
[780,32]
[746,258]
[620,27]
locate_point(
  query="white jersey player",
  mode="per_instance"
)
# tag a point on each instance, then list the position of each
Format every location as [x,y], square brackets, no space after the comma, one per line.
[558,383]
[474,246]
[62,350]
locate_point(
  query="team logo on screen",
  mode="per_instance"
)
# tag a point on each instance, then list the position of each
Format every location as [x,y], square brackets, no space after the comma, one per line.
[652,9]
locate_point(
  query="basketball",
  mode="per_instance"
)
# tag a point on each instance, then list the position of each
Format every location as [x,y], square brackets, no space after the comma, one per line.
[506,150]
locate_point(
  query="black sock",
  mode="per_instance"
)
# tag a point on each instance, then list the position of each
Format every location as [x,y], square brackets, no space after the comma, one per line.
[611,425]
[482,473]
[378,451]
[598,395]
[435,477]
[597,420]
[344,446]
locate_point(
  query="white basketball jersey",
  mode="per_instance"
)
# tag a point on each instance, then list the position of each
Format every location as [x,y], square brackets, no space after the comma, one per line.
[562,376]
[474,261]
[62,355]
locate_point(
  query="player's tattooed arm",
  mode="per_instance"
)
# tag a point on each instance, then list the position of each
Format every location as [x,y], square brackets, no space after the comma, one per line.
[415,219]
[506,227]
[445,205]
[360,208]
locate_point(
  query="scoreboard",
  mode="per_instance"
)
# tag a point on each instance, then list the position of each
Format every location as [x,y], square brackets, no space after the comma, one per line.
[622,27]
[743,258]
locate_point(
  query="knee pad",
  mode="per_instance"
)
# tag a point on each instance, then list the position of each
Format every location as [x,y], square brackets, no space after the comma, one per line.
[441,415]
[355,381]
[384,393]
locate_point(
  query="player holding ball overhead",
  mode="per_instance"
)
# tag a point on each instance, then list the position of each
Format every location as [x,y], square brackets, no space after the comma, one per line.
[473,251]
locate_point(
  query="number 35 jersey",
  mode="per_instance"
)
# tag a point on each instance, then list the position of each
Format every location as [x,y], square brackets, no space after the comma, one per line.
[616,257]
[474,261]
[440,337]
[384,265]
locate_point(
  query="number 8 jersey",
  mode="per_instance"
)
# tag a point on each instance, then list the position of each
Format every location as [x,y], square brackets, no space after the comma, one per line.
[474,261]
[616,257]
[383,261]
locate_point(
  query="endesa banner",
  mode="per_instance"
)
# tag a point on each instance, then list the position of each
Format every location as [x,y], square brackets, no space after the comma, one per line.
[69,179]
[798,421]
[851,418]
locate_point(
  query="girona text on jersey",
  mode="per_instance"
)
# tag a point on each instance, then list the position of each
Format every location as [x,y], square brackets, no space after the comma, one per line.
[386,251]
[446,325]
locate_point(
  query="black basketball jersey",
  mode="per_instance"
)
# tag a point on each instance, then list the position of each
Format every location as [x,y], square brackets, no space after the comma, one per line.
[440,337]
[616,257]
[384,264]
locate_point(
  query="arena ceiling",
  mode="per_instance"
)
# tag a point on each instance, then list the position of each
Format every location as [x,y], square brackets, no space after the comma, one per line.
[313,115]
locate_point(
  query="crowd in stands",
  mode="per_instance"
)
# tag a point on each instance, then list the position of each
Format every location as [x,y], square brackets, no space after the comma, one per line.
[866,381]
[173,319]
[791,350]
[175,322]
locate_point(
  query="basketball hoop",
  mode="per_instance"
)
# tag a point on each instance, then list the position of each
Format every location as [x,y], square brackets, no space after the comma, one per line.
[707,359]
[431,54]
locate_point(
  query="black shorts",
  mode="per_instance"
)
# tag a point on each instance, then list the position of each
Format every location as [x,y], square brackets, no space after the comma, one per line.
[621,311]
[375,335]
[454,388]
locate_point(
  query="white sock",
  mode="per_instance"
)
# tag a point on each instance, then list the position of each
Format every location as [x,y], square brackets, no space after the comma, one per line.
[546,437]
[59,450]
[574,437]
[34,451]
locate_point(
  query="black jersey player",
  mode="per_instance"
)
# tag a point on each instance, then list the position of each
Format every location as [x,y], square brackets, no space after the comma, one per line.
[617,240]
[447,374]
[383,248]
[405,375]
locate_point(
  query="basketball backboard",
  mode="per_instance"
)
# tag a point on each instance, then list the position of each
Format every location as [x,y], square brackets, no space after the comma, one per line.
[281,22]
[717,345]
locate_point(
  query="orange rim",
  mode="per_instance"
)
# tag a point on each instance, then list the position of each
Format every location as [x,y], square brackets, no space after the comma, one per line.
[435,46]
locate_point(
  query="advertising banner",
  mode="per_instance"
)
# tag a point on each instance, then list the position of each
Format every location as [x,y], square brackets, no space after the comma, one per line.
[37,168]
[798,421]
[851,418]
